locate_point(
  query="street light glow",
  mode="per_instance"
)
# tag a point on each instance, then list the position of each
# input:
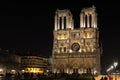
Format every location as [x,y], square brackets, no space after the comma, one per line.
[115,64]
[112,66]
[1,70]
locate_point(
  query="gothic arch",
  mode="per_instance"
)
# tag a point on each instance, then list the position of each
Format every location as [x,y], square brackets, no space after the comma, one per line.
[61,68]
[74,63]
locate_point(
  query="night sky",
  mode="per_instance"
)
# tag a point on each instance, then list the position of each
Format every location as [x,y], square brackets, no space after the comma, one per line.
[28,26]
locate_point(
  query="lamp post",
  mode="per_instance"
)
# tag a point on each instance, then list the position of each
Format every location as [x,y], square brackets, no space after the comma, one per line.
[115,65]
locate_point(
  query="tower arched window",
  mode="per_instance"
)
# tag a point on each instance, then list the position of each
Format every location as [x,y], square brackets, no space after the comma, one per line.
[90,19]
[86,21]
[60,23]
[65,23]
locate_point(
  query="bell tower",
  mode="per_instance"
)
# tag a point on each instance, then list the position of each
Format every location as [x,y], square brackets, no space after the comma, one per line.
[88,18]
[61,44]
[88,22]
[63,24]
[63,20]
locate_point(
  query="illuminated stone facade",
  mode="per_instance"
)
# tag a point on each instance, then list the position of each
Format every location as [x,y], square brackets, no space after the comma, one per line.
[9,62]
[76,50]
[34,64]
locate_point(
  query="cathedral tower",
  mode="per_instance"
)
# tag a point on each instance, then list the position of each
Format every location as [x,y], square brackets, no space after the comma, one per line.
[76,50]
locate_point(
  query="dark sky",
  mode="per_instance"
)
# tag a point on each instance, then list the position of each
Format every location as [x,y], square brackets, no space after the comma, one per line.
[28,26]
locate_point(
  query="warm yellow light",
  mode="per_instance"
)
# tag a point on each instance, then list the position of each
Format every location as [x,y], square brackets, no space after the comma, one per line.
[62,36]
[80,50]
[13,71]
[89,35]
[23,71]
[34,70]
[1,70]
[84,50]
[95,72]
[70,51]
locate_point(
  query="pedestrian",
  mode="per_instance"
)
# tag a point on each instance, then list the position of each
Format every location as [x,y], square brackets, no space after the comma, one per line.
[93,78]
[101,78]
[110,78]
[105,78]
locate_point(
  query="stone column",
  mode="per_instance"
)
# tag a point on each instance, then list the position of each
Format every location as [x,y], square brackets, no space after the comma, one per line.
[72,26]
[58,23]
[55,24]
[95,21]
[70,22]
[81,20]
[67,24]
[92,25]
[62,22]
[84,20]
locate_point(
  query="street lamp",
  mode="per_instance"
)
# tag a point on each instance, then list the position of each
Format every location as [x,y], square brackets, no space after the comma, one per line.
[115,65]
[111,67]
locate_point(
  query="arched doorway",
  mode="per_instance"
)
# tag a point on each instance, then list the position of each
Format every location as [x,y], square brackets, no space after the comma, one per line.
[75,70]
[61,68]
[88,70]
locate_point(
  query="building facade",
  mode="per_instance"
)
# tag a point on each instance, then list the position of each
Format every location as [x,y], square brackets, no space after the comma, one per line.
[76,50]
[34,64]
[9,62]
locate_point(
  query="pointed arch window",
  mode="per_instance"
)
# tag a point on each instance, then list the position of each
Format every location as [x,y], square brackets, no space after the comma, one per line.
[65,23]
[90,19]
[60,23]
[86,21]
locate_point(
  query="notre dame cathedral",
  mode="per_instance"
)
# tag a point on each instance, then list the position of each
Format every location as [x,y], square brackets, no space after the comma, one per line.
[76,50]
